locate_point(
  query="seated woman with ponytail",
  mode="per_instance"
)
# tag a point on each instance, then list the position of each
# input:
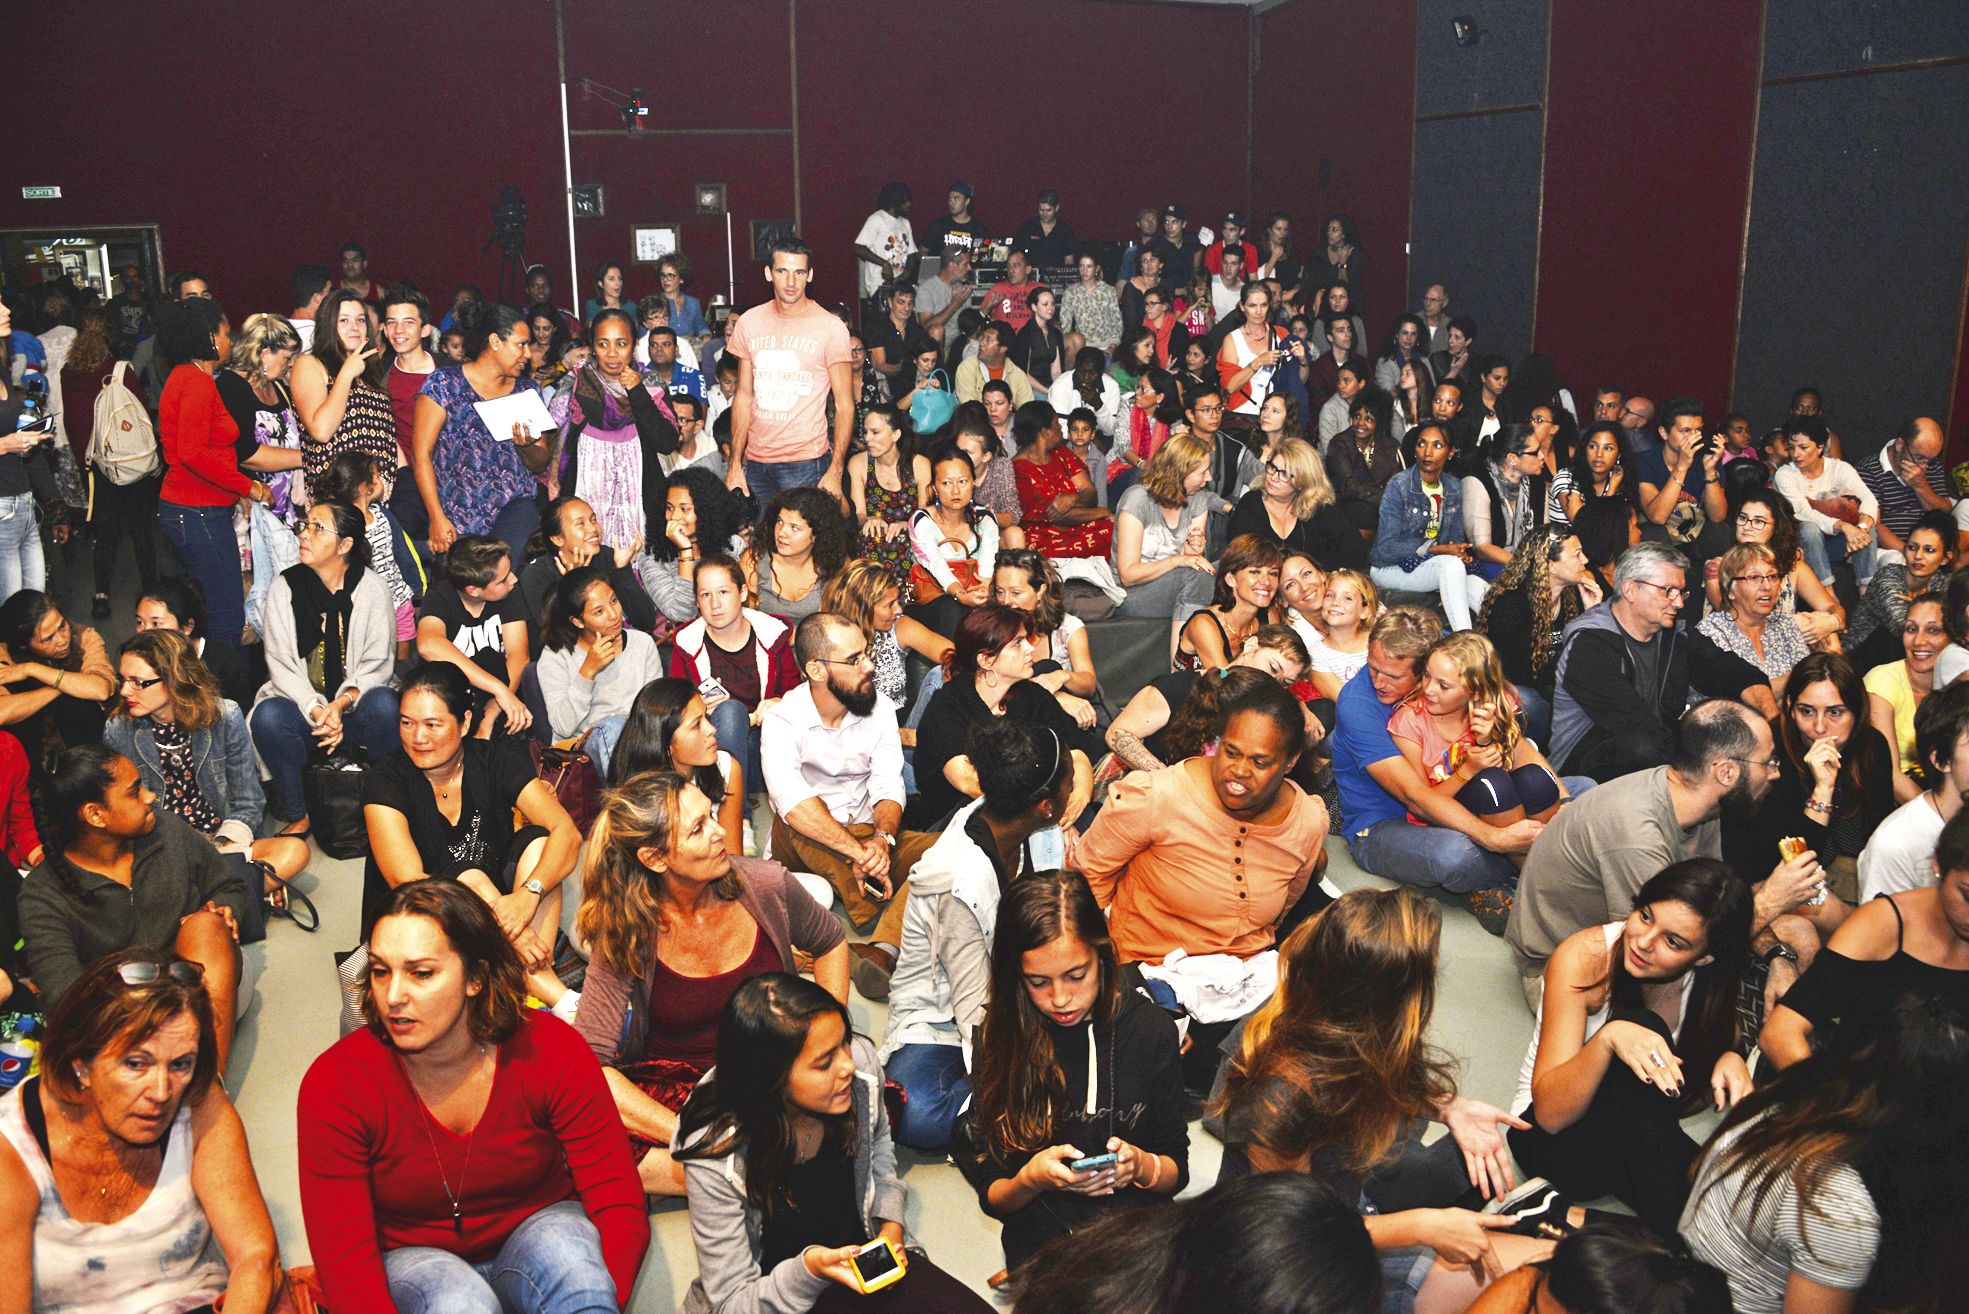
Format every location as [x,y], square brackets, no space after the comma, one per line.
[790,1169]
[674,924]
[1071,1065]
[569,539]
[331,642]
[937,995]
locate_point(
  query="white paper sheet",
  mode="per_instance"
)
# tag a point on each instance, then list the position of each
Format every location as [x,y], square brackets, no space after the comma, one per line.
[520,406]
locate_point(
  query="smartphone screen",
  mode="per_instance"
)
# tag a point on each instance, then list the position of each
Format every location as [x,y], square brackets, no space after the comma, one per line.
[1094,1161]
[875,1263]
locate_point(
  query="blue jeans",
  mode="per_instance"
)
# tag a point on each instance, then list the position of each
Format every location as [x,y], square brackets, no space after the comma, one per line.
[551,1264]
[283,735]
[739,737]
[938,1088]
[1825,551]
[1537,715]
[767,478]
[275,548]
[1460,590]
[22,565]
[515,524]
[1435,856]
[600,743]
[209,550]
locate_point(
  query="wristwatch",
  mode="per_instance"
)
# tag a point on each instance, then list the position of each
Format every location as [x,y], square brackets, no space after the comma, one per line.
[886,837]
[1777,951]
[537,890]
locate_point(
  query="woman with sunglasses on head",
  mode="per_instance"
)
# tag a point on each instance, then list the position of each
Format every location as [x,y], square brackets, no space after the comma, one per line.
[176,603]
[125,1179]
[460,1151]
[1071,1065]
[937,995]
[790,1168]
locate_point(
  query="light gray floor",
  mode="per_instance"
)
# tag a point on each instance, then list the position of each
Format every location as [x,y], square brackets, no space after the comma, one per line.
[1480,1019]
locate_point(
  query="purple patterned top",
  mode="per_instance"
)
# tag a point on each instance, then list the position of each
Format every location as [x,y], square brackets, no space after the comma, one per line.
[478,474]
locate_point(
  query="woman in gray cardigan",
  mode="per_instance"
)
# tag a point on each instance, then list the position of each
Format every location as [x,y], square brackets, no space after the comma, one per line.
[331,642]
[192,750]
[789,1167]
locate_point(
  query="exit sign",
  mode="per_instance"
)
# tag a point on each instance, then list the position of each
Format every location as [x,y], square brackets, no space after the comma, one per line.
[41,193]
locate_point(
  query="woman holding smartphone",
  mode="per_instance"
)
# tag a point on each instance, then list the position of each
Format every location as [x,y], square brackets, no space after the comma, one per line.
[789,1168]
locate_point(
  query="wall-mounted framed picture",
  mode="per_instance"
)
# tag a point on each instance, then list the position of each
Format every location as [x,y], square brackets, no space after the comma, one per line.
[651,242]
[587,201]
[764,233]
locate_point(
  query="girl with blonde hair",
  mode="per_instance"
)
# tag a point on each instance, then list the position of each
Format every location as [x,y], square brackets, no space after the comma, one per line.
[674,924]
[1348,609]
[1460,730]
[1335,1076]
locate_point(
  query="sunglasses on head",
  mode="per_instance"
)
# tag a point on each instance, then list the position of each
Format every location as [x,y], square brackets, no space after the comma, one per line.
[147,973]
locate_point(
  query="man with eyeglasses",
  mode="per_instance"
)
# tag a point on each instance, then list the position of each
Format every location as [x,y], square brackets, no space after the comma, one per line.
[121,874]
[1435,318]
[832,758]
[1593,857]
[1637,416]
[1626,671]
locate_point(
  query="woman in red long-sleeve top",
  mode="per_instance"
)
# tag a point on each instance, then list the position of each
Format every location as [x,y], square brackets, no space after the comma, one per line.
[22,845]
[462,1144]
[202,480]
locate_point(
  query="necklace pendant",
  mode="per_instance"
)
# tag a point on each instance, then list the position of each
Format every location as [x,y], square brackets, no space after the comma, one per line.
[457,1218]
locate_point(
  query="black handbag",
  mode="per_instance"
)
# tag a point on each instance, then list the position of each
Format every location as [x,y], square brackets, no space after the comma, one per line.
[332,787]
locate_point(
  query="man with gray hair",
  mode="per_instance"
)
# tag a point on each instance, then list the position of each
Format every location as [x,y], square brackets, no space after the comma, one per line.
[1626,671]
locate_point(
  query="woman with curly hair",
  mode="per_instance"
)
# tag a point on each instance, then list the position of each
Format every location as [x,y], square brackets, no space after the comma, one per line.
[802,541]
[701,519]
[1544,589]
[1335,1074]
[866,595]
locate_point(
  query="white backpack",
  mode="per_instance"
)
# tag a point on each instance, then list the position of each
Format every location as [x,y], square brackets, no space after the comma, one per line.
[123,446]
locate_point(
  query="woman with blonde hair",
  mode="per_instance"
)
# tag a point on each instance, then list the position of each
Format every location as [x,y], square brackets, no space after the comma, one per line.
[1460,731]
[1293,504]
[1751,624]
[1335,1073]
[192,750]
[1348,610]
[674,924]
[867,595]
[1159,528]
[255,392]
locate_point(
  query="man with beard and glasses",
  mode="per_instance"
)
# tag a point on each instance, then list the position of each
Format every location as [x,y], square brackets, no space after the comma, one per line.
[1626,671]
[1593,857]
[832,758]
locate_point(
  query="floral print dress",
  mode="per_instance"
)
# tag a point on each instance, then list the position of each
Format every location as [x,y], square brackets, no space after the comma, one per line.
[892,508]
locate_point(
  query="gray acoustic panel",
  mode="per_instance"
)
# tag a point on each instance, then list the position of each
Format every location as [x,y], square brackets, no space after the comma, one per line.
[1505,67]
[1475,225]
[1858,220]
[1824,36]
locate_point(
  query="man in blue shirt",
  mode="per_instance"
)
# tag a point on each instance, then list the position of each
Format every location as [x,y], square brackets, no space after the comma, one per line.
[1379,788]
[664,367]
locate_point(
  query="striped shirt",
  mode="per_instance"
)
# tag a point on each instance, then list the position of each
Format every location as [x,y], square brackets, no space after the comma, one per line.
[1832,1243]
[1900,505]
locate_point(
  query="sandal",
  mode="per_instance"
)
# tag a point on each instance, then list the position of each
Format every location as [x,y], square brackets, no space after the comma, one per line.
[1541,1210]
[283,900]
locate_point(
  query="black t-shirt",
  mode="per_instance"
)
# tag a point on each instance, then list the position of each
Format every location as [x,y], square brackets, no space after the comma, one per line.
[737,671]
[1175,690]
[899,347]
[481,638]
[945,733]
[824,1212]
[496,772]
[947,235]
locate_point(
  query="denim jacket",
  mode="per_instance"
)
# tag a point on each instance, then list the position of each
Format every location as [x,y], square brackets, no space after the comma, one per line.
[222,758]
[1402,538]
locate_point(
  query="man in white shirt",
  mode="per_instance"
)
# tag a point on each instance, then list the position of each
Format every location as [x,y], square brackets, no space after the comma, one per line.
[1337,414]
[832,758]
[1227,287]
[1812,476]
[1901,853]
[309,285]
[885,243]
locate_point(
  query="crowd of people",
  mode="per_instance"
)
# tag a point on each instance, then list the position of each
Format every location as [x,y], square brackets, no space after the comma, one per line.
[701,672]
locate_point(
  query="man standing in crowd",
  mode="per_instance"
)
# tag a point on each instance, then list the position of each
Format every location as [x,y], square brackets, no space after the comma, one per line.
[1598,852]
[792,355]
[1626,671]
[1178,249]
[885,243]
[1008,299]
[1901,479]
[1228,287]
[1231,239]
[355,272]
[832,758]
[1435,318]
[959,230]
[307,287]
[940,296]
[993,362]
[1047,242]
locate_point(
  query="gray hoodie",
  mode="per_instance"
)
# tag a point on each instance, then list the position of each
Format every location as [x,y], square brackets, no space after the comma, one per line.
[725,1228]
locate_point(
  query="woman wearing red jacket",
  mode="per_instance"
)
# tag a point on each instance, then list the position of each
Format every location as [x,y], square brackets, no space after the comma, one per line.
[462,1151]
[202,480]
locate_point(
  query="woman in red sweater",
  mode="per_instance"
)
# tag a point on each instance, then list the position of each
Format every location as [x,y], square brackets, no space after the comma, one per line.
[202,481]
[461,1151]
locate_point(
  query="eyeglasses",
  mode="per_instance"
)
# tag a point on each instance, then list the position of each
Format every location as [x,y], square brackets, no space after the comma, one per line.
[1668,590]
[1757,579]
[146,973]
[1274,468]
[1768,763]
[131,681]
[1754,522]
[1209,410]
[859,659]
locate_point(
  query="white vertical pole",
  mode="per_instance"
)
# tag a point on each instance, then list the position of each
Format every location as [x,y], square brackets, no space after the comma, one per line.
[567,158]
[731,266]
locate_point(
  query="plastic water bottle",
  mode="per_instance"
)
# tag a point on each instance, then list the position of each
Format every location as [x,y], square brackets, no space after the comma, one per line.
[1049,849]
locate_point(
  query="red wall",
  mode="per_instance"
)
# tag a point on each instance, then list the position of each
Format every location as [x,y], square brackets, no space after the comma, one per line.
[1648,126]
[268,133]
[1336,81]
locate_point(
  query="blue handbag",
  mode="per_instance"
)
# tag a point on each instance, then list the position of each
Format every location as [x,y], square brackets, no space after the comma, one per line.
[932,408]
